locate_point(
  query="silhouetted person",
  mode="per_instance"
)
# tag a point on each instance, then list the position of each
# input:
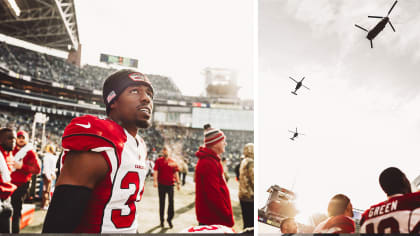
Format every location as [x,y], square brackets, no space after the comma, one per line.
[399,213]
[340,211]
[288,226]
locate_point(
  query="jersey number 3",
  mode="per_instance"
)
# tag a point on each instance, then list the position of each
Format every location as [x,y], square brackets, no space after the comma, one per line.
[125,221]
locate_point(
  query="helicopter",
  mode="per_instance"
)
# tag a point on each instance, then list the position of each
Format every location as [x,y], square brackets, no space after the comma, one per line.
[379,27]
[298,85]
[295,134]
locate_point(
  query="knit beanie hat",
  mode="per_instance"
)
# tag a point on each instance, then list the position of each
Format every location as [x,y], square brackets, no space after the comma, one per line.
[117,82]
[213,136]
[23,133]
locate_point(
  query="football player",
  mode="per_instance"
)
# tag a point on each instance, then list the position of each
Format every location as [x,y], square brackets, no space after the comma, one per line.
[104,162]
[400,213]
[340,211]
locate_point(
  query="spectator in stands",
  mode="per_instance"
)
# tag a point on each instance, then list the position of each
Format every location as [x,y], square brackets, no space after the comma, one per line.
[26,164]
[288,226]
[165,176]
[212,199]
[48,174]
[339,221]
[246,186]
[7,142]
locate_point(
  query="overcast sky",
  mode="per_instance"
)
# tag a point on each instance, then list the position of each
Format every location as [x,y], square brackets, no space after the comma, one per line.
[362,113]
[172,38]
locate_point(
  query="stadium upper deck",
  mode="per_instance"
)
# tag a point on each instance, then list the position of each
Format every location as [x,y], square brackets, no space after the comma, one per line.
[47,23]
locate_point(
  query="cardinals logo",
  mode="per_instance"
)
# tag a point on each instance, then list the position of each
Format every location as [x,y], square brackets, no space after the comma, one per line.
[138,77]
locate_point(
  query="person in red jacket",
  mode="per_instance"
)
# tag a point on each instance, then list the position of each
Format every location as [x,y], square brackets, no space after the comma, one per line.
[165,176]
[26,164]
[340,211]
[7,142]
[212,199]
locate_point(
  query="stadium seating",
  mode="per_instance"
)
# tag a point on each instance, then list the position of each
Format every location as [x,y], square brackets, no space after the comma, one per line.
[46,67]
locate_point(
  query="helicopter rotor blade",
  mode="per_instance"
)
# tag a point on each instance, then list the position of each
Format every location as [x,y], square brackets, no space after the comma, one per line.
[391,26]
[380,17]
[360,27]
[392,8]
[293,79]
[305,87]
[302,79]
[291,131]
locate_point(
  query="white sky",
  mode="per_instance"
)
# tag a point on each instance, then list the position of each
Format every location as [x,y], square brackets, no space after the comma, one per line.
[172,38]
[362,113]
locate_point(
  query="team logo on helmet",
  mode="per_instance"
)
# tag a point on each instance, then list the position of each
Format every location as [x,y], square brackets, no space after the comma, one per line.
[138,77]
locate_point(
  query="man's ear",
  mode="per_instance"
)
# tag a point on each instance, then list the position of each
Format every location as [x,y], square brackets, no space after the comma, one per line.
[113,105]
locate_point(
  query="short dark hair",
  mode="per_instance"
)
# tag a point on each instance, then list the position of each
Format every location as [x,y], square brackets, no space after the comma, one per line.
[394,181]
[338,205]
[3,132]
[206,126]
[283,222]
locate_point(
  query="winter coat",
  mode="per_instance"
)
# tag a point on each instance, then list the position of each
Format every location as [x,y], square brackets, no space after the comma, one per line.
[31,166]
[246,175]
[212,199]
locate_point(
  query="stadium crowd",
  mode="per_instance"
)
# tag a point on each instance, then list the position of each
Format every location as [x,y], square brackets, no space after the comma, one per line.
[182,140]
[51,68]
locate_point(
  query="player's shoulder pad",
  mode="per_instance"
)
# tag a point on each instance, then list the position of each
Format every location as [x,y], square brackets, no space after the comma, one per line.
[415,195]
[87,132]
[365,215]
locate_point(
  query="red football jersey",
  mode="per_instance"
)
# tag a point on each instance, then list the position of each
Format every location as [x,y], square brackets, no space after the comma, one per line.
[340,224]
[112,208]
[398,214]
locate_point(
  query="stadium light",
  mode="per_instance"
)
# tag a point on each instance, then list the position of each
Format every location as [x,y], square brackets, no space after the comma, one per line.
[15,8]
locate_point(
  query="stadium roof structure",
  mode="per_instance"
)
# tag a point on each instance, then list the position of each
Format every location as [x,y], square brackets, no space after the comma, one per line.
[49,23]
